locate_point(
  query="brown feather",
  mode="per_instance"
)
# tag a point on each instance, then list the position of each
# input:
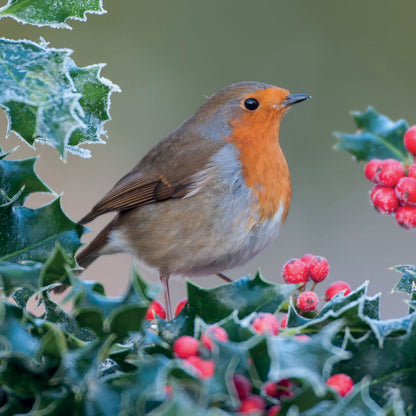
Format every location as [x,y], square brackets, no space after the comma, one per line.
[157,177]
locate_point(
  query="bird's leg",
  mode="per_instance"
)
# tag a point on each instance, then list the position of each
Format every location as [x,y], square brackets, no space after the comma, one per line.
[164,278]
[224,277]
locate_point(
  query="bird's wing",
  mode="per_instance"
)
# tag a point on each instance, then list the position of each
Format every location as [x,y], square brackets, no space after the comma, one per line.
[135,190]
[167,171]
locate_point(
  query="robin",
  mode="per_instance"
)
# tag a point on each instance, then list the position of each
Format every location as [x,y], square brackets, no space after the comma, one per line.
[210,195]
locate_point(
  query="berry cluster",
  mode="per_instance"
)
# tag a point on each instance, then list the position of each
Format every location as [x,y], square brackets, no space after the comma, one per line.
[394,191]
[316,269]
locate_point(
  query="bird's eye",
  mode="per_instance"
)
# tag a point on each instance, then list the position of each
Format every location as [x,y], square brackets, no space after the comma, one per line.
[251,104]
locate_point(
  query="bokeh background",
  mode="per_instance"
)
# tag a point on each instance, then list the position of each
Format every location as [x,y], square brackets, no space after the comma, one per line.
[168,56]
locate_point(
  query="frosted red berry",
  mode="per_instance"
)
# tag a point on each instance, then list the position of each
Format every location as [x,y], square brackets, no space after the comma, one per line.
[242,386]
[180,306]
[412,171]
[252,404]
[266,324]
[370,169]
[204,368]
[318,269]
[385,201]
[274,410]
[155,309]
[406,191]
[336,288]
[185,346]
[389,172]
[410,140]
[307,258]
[307,301]
[295,271]
[406,217]
[374,189]
[341,383]
[279,390]
[213,332]
[283,322]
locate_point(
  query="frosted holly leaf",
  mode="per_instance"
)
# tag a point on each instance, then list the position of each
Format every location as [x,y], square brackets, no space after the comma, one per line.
[52,13]
[48,99]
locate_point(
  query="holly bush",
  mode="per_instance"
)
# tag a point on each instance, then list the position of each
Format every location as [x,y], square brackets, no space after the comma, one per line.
[106,356]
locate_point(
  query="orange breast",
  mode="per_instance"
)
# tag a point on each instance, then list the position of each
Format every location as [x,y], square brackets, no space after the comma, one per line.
[264,166]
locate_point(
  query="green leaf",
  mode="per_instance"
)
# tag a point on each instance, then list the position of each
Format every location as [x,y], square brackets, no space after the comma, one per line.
[31,234]
[50,12]
[407,282]
[309,360]
[245,295]
[357,403]
[377,138]
[49,99]
[18,177]
[392,368]
[109,315]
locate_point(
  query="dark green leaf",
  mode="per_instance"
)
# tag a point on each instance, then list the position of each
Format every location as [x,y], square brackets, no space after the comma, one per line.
[31,234]
[245,295]
[50,12]
[377,138]
[19,177]
[392,368]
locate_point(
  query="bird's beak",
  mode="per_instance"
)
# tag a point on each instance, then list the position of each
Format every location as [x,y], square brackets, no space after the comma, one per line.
[293,99]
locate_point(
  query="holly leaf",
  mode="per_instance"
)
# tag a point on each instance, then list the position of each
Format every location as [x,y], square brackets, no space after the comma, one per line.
[36,231]
[377,138]
[48,99]
[396,377]
[50,12]
[18,177]
[245,295]
[109,315]
[407,281]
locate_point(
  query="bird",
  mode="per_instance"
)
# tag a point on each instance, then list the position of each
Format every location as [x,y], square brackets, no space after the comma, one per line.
[209,196]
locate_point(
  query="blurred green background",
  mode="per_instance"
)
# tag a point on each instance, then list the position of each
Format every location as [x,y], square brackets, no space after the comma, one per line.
[167,56]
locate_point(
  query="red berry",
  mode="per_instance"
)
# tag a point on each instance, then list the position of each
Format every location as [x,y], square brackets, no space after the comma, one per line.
[318,269]
[410,140]
[185,347]
[155,308]
[266,323]
[406,217]
[341,383]
[180,306]
[406,191]
[274,410]
[412,171]
[385,201]
[283,322]
[213,332]
[280,389]
[370,169]
[307,258]
[204,368]
[307,301]
[336,288]
[242,386]
[295,271]
[252,404]
[389,172]
[374,189]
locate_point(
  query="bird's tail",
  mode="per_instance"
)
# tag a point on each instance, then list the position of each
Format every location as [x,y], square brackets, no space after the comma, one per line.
[95,248]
